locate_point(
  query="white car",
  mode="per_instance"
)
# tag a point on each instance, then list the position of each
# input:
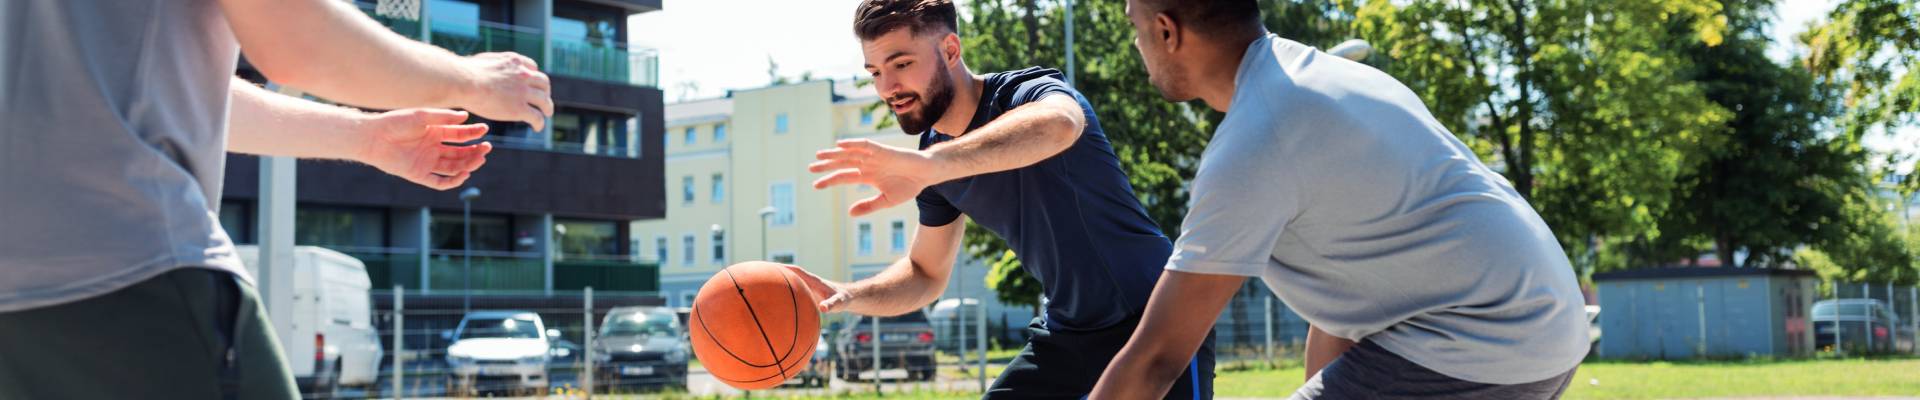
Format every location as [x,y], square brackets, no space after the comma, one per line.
[329,337]
[499,351]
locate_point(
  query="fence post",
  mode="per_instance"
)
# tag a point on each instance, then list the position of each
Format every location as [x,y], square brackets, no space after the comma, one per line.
[980,339]
[399,336]
[1268,317]
[876,354]
[1836,319]
[1913,317]
[1866,292]
[586,376]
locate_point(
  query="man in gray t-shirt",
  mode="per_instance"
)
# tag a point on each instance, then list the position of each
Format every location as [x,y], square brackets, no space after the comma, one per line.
[1415,264]
[116,280]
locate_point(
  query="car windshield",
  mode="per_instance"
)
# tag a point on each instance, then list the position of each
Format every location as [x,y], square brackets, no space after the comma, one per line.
[657,322]
[501,328]
[1846,309]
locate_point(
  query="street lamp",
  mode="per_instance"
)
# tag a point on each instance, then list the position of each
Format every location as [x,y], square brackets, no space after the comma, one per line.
[466,248]
[766,221]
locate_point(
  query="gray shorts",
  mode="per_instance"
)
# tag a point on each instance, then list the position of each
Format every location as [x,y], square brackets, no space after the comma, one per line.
[1369,372]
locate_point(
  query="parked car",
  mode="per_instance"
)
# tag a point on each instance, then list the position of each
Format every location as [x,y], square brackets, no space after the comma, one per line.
[1854,320]
[328,337]
[815,375]
[499,351]
[906,341]
[640,346]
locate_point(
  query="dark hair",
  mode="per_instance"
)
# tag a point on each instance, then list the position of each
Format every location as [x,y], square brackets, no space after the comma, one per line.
[875,18]
[1211,16]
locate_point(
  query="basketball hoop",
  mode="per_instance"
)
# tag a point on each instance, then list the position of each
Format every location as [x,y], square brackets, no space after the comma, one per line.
[399,9]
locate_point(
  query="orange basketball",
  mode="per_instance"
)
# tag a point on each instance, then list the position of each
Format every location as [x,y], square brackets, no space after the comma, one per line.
[754,325]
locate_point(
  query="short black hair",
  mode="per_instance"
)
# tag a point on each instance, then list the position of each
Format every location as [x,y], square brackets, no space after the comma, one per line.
[1209,17]
[875,18]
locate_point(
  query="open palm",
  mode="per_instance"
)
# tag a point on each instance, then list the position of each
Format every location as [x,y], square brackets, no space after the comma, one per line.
[424,146]
[899,174]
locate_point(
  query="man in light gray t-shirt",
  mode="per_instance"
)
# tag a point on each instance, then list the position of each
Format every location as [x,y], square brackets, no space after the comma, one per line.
[1419,268]
[116,279]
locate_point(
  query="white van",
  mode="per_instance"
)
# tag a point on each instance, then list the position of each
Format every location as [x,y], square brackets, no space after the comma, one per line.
[329,339]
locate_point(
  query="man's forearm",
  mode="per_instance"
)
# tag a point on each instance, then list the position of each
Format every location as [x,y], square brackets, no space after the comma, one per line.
[1023,136]
[267,123]
[1322,349]
[332,50]
[900,288]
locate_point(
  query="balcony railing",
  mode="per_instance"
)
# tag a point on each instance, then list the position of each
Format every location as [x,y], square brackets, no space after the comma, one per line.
[614,62]
[466,38]
[574,57]
[500,272]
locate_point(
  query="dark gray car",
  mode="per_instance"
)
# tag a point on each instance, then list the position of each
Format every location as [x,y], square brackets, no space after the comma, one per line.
[906,341]
[640,347]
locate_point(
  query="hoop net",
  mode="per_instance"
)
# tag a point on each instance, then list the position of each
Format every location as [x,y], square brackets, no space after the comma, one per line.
[401,9]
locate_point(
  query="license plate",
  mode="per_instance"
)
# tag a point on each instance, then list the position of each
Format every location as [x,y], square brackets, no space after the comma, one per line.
[1825,329]
[896,337]
[499,371]
[636,370]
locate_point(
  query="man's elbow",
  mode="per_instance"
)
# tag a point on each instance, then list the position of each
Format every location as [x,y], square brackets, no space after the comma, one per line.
[284,69]
[1066,125]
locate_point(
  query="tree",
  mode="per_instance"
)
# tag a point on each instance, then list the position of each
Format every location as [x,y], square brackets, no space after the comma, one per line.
[1584,105]
[1779,180]
[1862,46]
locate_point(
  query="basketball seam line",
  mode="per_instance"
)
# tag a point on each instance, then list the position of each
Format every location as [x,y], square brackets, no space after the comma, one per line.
[742,292]
[716,339]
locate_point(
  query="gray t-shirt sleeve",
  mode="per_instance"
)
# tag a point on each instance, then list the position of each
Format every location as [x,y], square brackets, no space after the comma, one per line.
[1241,200]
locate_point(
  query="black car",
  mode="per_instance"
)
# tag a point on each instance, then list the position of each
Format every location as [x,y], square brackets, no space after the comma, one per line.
[640,347]
[906,341]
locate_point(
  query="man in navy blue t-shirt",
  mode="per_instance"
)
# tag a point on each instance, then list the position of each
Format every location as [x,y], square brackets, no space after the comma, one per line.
[1023,155]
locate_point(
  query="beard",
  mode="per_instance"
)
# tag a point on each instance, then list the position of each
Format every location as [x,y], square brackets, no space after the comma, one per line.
[933,104]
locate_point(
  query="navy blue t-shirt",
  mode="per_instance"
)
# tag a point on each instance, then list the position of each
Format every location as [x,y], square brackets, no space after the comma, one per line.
[1072,219]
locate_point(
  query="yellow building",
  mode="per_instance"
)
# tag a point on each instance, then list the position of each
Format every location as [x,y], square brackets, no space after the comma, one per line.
[730,158]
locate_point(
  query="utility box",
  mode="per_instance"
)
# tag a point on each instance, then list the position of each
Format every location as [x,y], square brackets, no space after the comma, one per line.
[1705,312]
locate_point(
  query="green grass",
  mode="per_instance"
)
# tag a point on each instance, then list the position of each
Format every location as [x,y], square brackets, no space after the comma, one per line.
[1647,380]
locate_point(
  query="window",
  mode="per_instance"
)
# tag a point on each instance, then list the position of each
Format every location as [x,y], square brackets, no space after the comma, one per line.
[686,189]
[719,247]
[866,118]
[780,123]
[719,188]
[780,195]
[783,258]
[585,238]
[660,249]
[690,136]
[899,236]
[346,226]
[719,133]
[237,221]
[686,250]
[686,298]
[592,132]
[865,237]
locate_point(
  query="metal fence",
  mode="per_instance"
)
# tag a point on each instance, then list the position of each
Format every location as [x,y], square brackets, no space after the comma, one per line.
[1856,318]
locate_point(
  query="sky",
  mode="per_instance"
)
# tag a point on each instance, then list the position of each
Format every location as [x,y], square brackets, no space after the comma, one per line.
[710,46]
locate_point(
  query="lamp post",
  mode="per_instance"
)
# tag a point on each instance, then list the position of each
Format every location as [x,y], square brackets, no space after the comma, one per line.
[466,248]
[766,221]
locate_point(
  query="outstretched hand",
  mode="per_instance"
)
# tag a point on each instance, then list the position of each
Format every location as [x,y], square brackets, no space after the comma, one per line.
[899,174]
[424,146]
[831,295]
